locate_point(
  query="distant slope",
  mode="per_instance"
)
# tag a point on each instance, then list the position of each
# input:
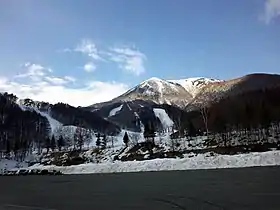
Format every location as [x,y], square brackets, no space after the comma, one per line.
[155,90]
[66,115]
[194,85]
[214,92]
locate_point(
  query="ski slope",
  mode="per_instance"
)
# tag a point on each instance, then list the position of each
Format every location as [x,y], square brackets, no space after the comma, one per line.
[163,117]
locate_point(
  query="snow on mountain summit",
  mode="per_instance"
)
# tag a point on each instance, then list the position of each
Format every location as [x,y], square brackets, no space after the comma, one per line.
[157,90]
[194,85]
[173,92]
[157,86]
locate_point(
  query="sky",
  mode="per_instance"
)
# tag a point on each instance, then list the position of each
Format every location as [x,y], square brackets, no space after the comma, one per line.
[88,51]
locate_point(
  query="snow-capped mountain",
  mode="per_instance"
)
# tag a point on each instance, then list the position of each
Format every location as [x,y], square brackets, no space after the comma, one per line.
[194,85]
[135,108]
[155,100]
[158,91]
[214,92]
[172,92]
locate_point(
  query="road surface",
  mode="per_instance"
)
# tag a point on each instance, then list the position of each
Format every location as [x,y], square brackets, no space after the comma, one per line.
[246,188]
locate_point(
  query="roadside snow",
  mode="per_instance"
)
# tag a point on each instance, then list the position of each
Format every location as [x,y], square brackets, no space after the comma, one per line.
[6,164]
[202,161]
[163,117]
[115,111]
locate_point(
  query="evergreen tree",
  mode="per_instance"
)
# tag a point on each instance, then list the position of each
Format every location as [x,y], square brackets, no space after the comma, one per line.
[149,132]
[53,143]
[104,142]
[98,140]
[146,132]
[48,144]
[152,133]
[125,139]
[60,143]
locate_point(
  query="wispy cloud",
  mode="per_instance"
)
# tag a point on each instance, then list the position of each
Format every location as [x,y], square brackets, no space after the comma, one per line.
[50,88]
[88,47]
[59,80]
[128,59]
[33,71]
[271,10]
[89,67]
[69,78]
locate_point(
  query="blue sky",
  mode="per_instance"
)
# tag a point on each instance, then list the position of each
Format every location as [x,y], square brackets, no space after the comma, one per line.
[86,51]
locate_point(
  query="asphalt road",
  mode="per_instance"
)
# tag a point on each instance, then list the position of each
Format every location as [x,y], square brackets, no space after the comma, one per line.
[249,188]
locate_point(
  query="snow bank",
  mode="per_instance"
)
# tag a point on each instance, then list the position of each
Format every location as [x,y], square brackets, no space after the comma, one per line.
[202,161]
[163,117]
[115,111]
[6,164]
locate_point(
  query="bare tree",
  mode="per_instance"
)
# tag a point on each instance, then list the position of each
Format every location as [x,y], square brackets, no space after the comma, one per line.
[204,111]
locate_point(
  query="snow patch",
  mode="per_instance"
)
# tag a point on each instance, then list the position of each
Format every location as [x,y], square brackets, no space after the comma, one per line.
[115,111]
[163,117]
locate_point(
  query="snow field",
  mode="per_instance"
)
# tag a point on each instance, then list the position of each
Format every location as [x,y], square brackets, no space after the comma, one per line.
[163,117]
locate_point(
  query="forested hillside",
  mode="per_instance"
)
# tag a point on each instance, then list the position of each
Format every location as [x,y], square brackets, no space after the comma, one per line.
[20,130]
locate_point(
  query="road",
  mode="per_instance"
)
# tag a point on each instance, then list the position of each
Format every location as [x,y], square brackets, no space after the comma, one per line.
[247,188]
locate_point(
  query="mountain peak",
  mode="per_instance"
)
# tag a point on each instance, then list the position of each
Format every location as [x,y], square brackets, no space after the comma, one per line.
[153,79]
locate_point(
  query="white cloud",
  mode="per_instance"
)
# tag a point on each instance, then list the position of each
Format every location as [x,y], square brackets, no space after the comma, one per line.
[128,59]
[70,79]
[59,80]
[271,10]
[33,71]
[88,47]
[89,67]
[50,88]
[94,92]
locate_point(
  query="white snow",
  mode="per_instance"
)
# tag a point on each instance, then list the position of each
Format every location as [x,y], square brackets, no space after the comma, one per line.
[6,164]
[23,108]
[201,161]
[163,117]
[193,85]
[155,85]
[115,111]
[128,107]
[53,123]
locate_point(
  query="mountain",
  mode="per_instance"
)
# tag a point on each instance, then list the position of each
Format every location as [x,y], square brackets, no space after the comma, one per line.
[59,115]
[172,92]
[136,107]
[133,115]
[163,103]
[214,92]
[194,85]
[140,105]
[247,106]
